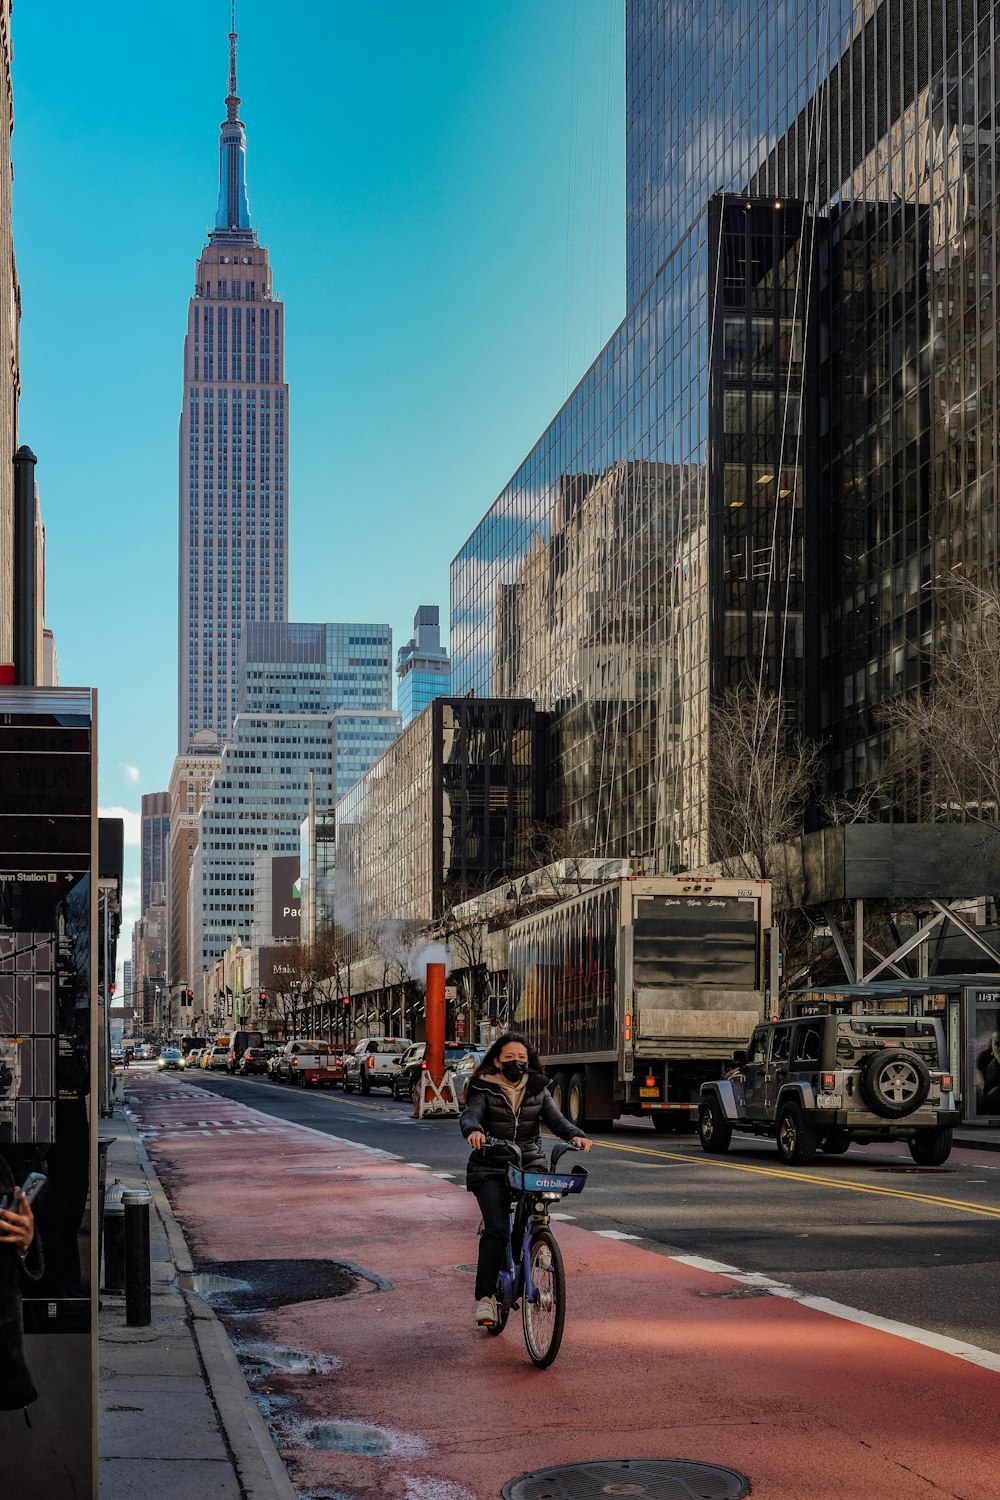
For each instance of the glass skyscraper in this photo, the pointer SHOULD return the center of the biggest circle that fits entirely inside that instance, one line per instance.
(423, 666)
(789, 443)
(233, 502)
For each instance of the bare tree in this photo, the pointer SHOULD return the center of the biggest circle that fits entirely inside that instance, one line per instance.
(945, 742)
(553, 845)
(762, 774)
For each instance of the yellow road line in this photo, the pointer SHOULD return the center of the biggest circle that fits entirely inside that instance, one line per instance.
(929, 1199)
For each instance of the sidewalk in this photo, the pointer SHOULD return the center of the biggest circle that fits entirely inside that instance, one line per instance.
(977, 1138)
(177, 1420)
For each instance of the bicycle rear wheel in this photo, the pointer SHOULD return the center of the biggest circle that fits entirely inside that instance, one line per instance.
(543, 1320)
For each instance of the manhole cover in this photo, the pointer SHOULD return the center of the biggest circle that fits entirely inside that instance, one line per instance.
(655, 1478)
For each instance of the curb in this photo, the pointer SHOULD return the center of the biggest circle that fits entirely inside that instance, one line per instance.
(976, 1143)
(261, 1474)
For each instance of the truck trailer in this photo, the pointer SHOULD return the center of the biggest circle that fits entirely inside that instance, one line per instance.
(636, 992)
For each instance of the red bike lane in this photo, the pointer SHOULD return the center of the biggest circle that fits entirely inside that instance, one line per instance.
(659, 1359)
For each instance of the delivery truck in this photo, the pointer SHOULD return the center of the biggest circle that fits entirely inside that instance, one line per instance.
(635, 992)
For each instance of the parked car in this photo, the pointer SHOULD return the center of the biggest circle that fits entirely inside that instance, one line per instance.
(215, 1058)
(171, 1057)
(407, 1078)
(254, 1060)
(193, 1059)
(825, 1082)
(374, 1063)
(464, 1071)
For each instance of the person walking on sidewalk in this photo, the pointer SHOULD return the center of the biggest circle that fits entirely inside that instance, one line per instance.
(508, 1098)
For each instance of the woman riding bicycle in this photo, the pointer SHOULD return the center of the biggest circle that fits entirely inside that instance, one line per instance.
(508, 1099)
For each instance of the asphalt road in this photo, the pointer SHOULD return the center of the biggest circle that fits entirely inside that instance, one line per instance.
(869, 1229)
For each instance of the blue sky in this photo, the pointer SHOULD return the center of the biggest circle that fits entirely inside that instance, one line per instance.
(440, 187)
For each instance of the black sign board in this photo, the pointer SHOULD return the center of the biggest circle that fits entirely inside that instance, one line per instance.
(48, 833)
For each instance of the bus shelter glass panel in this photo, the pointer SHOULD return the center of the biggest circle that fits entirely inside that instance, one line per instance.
(982, 1099)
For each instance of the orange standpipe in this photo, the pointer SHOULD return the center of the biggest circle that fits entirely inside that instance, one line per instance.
(435, 1016)
(437, 1093)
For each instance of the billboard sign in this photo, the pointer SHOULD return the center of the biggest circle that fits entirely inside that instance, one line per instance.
(278, 972)
(285, 896)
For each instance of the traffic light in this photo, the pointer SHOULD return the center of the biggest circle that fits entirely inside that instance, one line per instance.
(263, 999)
(190, 995)
(347, 999)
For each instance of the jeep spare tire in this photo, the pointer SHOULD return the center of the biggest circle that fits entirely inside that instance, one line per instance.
(894, 1083)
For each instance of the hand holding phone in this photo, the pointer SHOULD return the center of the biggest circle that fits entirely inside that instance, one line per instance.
(32, 1186)
(17, 1224)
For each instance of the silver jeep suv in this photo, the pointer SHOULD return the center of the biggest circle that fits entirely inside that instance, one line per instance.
(824, 1082)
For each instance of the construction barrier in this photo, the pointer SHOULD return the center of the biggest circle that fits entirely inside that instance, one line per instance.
(437, 1098)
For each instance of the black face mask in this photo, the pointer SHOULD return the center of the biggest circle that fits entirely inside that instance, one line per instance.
(513, 1071)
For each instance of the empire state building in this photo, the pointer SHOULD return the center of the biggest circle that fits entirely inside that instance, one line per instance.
(233, 461)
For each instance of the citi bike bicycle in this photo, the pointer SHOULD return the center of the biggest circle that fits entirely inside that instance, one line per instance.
(533, 1274)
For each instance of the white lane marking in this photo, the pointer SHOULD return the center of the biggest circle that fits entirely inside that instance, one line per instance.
(442, 1174)
(288, 1125)
(973, 1355)
(616, 1234)
(424, 1164)
(564, 1218)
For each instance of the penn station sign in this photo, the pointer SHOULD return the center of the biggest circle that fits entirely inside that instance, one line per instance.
(285, 896)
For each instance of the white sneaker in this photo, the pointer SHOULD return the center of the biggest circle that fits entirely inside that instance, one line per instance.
(486, 1312)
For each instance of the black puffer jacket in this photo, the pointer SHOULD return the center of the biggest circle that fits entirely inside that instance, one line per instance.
(16, 1386)
(488, 1109)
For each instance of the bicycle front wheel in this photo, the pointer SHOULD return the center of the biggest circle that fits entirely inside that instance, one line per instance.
(543, 1319)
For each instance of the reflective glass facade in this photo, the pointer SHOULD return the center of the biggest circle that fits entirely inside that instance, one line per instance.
(448, 810)
(791, 435)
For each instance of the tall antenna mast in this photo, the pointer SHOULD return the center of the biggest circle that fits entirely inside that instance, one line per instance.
(232, 98)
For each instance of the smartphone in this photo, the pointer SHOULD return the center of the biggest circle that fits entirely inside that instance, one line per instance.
(32, 1185)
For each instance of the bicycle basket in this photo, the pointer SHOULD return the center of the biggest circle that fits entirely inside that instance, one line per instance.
(562, 1183)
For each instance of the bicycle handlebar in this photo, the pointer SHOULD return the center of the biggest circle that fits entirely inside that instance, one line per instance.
(558, 1150)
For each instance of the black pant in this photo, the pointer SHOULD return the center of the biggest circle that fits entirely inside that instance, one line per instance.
(493, 1197)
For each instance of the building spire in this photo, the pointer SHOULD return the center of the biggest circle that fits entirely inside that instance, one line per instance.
(232, 98)
(232, 220)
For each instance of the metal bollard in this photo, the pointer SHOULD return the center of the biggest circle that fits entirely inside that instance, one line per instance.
(138, 1302)
(114, 1239)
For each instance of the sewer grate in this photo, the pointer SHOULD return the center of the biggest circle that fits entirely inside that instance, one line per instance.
(655, 1478)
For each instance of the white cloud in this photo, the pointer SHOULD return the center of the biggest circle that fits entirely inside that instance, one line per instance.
(132, 772)
(131, 896)
(132, 821)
